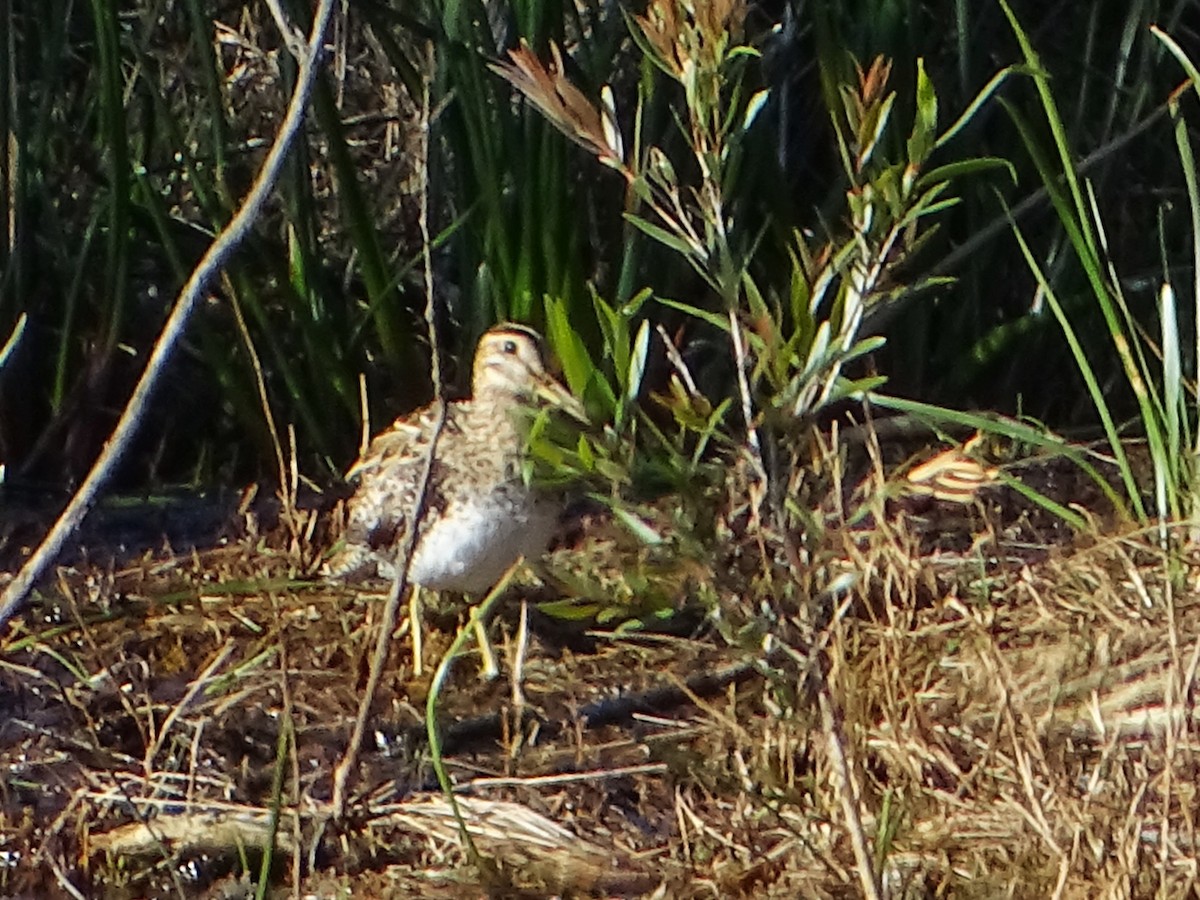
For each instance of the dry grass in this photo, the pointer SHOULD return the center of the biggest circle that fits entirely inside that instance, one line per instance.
(1030, 731)
(985, 714)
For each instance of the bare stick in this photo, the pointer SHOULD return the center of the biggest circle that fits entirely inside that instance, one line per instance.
(13, 339)
(843, 776)
(293, 38)
(341, 774)
(227, 241)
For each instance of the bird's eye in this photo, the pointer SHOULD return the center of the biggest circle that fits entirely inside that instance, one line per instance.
(509, 347)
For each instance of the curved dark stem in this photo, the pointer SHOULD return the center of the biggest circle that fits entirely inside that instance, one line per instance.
(227, 241)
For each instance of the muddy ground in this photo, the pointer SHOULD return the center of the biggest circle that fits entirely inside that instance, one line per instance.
(951, 699)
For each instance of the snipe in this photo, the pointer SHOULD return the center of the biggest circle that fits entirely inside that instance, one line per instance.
(480, 515)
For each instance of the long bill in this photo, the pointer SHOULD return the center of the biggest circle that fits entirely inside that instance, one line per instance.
(557, 396)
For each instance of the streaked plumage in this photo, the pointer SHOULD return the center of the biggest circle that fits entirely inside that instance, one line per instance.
(480, 516)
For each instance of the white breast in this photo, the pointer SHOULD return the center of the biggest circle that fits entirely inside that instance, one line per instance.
(469, 550)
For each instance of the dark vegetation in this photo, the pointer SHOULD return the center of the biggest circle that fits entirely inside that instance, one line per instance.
(807, 639)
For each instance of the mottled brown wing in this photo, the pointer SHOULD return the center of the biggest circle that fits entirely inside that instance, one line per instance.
(386, 478)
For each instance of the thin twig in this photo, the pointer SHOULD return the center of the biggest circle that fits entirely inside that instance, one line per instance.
(391, 611)
(541, 781)
(752, 436)
(867, 875)
(264, 400)
(10, 345)
(61, 877)
(479, 614)
(423, 222)
(289, 717)
(835, 739)
(293, 38)
(198, 684)
(213, 260)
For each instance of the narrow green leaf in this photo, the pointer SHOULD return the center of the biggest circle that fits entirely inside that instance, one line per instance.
(715, 319)
(921, 141)
(637, 363)
(965, 168)
(676, 243)
(638, 526)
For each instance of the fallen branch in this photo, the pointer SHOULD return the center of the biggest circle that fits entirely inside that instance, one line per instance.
(226, 242)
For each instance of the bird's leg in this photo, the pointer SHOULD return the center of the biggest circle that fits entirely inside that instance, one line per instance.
(488, 669)
(414, 628)
(517, 662)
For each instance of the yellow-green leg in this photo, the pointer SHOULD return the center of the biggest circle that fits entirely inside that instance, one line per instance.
(414, 629)
(488, 668)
